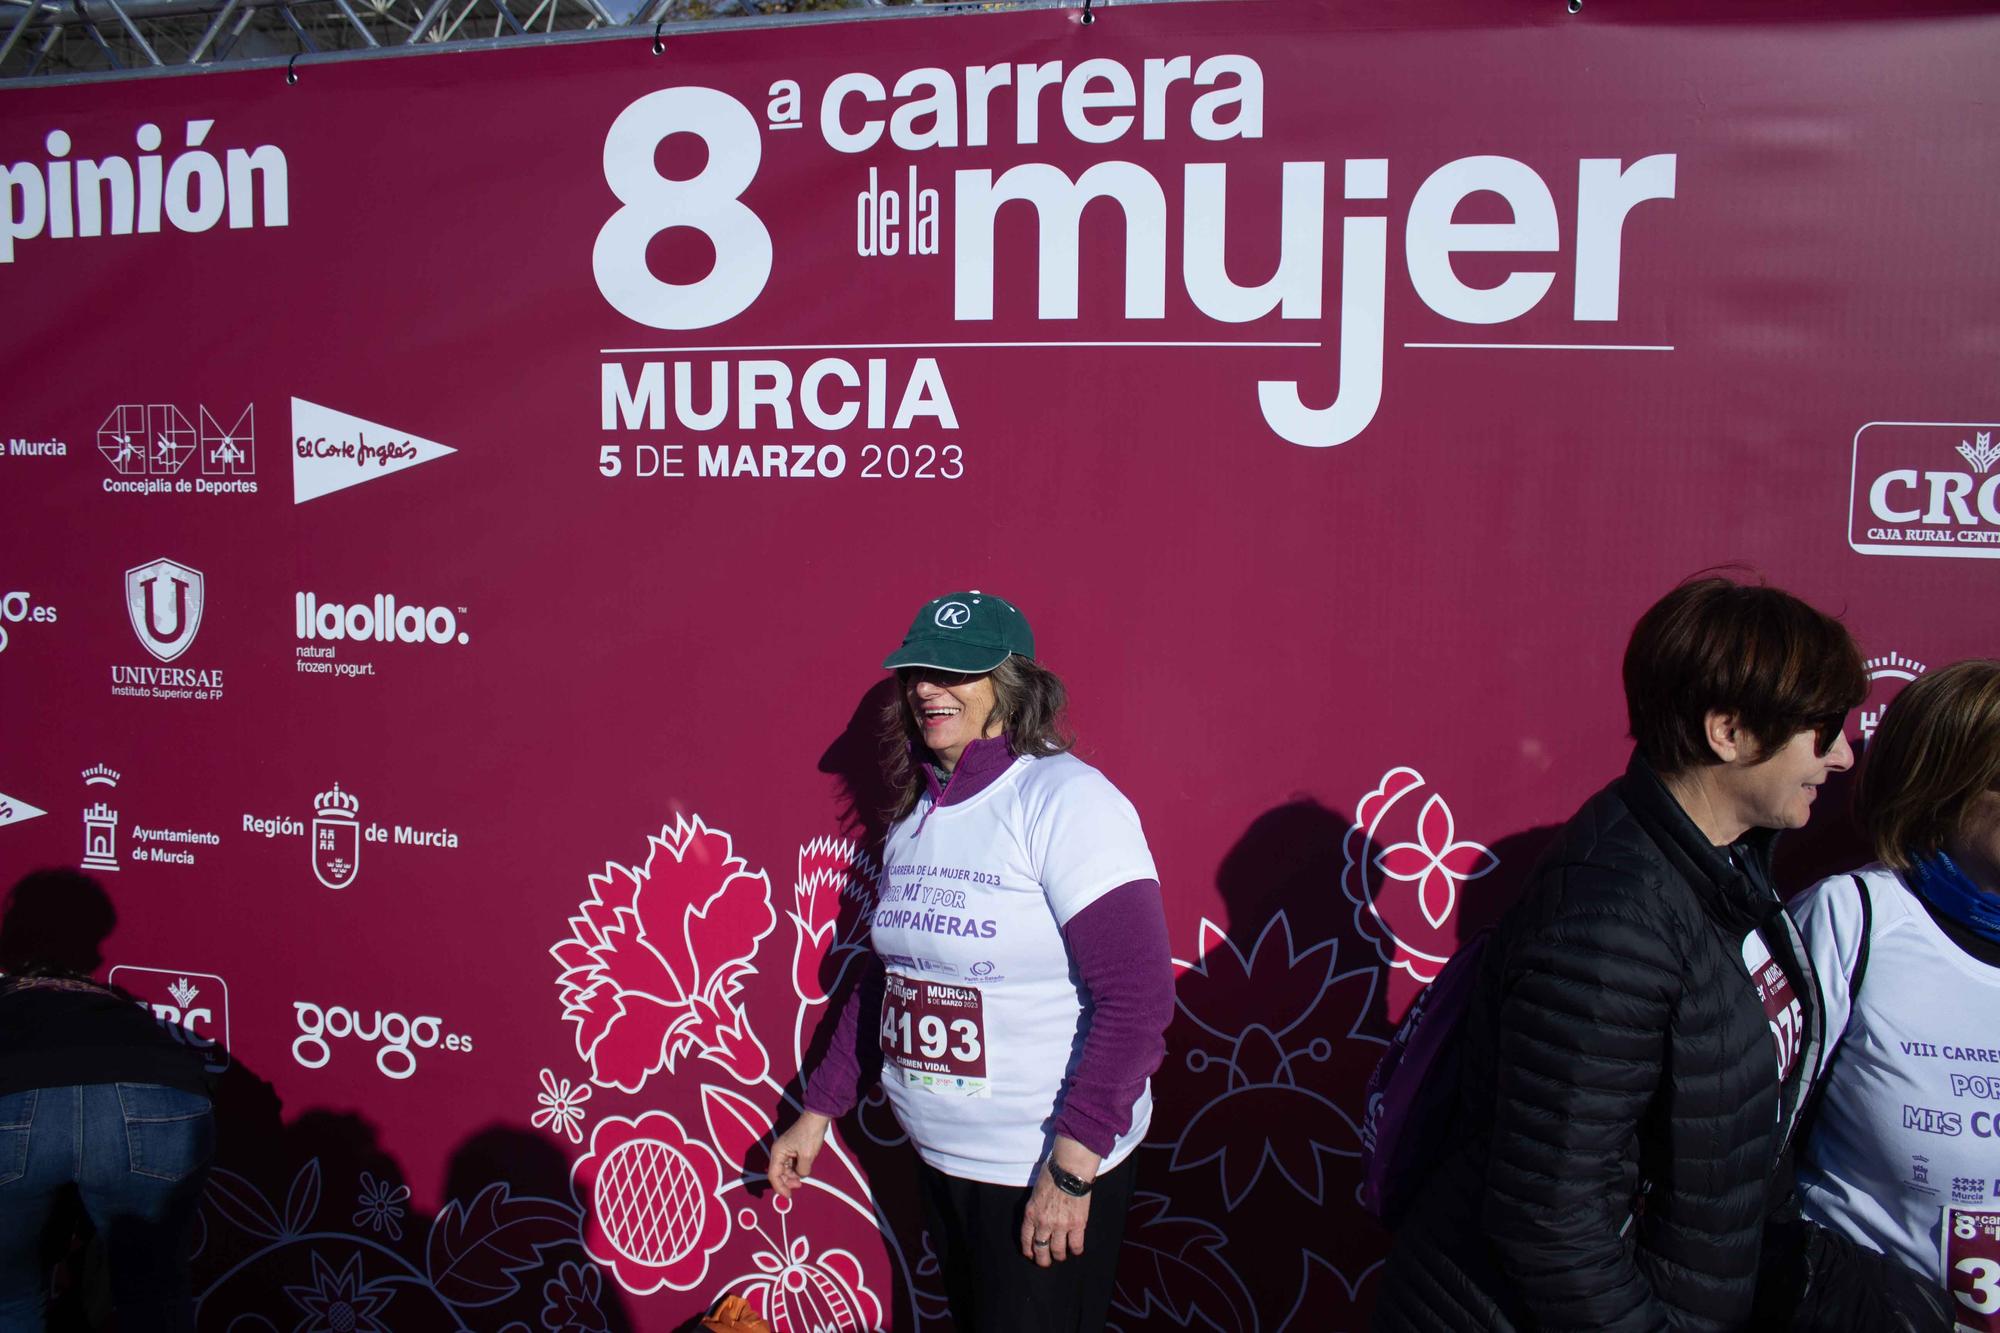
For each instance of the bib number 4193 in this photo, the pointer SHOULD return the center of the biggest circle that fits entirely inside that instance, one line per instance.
(934, 1028)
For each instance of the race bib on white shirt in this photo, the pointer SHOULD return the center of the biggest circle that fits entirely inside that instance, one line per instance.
(1970, 1241)
(1905, 1153)
(933, 1036)
(981, 1020)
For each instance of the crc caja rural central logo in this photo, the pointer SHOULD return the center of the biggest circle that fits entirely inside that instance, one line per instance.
(1925, 488)
(191, 1007)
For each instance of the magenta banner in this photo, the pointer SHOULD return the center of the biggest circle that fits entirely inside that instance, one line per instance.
(453, 508)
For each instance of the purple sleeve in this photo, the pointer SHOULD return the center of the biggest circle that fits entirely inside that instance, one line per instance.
(848, 1069)
(1119, 945)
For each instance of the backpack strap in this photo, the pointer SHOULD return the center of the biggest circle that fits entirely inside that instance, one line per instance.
(1861, 955)
(1810, 1114)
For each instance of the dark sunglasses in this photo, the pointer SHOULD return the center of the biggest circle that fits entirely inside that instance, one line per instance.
(1826, 731)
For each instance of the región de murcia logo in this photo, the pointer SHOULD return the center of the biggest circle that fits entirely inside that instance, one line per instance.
(336, 838)
(337, 833)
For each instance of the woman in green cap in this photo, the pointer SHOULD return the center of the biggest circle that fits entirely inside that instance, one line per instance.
(1024, 983)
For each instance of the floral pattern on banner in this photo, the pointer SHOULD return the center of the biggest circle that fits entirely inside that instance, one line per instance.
(655, 1212)
(799, 1293)
(1404, 866)
(655, 964)
(673, 998)
(656, 973)
(474, 1255)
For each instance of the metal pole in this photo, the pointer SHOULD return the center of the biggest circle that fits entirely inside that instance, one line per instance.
(214, 27)
(359, 27)
(424, 23)
(235, 33)
(42, 51)
(20, 26)
(97, 36)
(292, 22)
(132, 28)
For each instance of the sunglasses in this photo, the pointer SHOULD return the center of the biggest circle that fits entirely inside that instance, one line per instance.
(1826, 731)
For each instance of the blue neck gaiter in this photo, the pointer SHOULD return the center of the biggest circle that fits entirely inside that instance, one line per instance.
(1940, 882)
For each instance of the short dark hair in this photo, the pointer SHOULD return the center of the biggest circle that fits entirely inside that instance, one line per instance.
(1936, 751)
(1715, 645)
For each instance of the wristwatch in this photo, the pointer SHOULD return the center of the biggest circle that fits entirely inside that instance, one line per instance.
(1068, 1181)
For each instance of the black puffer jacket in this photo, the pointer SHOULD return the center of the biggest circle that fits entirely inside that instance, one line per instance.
(1619, 1146)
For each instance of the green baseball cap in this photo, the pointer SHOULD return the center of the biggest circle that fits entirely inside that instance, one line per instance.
(970, 632)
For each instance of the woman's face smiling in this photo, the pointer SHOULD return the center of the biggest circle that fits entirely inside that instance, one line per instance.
(1778, 792)
(951, 710)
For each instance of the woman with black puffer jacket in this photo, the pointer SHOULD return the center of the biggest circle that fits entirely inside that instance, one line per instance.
(1646, 1021)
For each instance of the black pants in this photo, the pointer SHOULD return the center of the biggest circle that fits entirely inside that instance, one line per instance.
(976, 1231)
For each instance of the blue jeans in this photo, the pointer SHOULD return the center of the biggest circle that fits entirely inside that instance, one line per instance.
(138, 1154)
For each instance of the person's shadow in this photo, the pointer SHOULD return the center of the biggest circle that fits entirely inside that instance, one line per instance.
(1251, 1169)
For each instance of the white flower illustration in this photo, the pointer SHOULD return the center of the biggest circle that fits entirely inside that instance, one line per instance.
(380, 1206)
(562, 1106)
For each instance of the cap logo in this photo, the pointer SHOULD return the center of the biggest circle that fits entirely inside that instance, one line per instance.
(953, 615)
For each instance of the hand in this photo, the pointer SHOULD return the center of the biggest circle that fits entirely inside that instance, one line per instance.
(1054, 1216)
(793, 1152)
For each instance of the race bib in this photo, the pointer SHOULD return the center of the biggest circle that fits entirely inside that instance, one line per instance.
(933, 1035)
(1972, 1267)
(1781, 1006)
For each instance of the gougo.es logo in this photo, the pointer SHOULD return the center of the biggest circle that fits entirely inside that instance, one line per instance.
(19, 608)
(397, 1038)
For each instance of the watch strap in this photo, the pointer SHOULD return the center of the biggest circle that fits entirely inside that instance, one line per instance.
(1069, 1182)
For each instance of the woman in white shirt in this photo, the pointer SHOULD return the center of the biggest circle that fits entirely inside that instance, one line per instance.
(1024, 983)
(1904, 1152)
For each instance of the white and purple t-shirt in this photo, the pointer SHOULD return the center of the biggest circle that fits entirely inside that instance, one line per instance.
(981, 1016)
(1905, 1157)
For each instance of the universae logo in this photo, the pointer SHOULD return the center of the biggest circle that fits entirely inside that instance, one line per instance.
(164, 599)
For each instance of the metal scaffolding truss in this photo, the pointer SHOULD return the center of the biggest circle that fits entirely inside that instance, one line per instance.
(58, 40)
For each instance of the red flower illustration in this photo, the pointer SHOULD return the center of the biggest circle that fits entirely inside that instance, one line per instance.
(831, 870)
(649, 1195)
(801, 1294)
(657, 956)
(1408, 925)
(1437, 862)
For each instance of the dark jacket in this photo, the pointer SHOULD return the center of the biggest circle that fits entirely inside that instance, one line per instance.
(1619, 1142)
